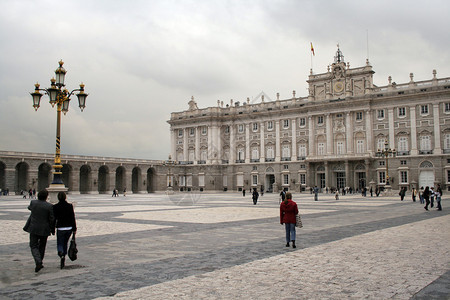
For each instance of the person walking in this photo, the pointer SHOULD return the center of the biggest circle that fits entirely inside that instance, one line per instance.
(288, 211)
(65, 224)
(402, 193)
(255, 196)
(422, 201)
(432, 196)
(438, 197)
(414, 194)
(283, 195)
(243, 192)
(40, 226)
(316, 193)
(426, 197)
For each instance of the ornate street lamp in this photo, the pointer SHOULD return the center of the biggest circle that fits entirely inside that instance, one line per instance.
(386, 153)
(61, 97)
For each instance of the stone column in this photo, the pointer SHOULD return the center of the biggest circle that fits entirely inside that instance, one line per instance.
(327, 175)
(76, 179)
(391, 128)
(277, 141)
(185, 145)
(412, 112)
(329, 134)
(232, 145)
(197, 145)
(247, 143)
(437, 132)
(369, 132)
(349, 132)
(173, 144)
(311, 142)
(262, 153)
(294, 140)
(347, 173)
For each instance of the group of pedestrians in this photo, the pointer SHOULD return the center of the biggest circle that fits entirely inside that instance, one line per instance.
(428, 196)
(43, 221)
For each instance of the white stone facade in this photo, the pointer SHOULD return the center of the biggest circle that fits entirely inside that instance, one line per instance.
(327, 139)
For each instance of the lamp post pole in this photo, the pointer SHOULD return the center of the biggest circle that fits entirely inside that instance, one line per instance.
(61, 97)
(169, 164)
(386, 153)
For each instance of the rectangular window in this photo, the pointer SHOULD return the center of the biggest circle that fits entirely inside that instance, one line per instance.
(180, 132)
(320, 120)
(380, 144)
(302, 178)
(302, 122)
(403, 162)
(425, 143)
(382, 163)
(269, 125)
(286, 124)
(241, 128)
(254, 179)
(191, 131)
(424, 109)
(402, 144)
(447, 107)
(241, 155)
(286, 151)
(447, 141)
(359, 116)
(204, 130)
(340, 148)
(227, 129)
(381, 177)
(255, 126)
(380, 114)
(255, 153)
(302, 150)
(403, 176)
(401, 111)
(360, 146)
(270, 153)
(286, 167)
(448, 176)
(321, 148)
(286, 179)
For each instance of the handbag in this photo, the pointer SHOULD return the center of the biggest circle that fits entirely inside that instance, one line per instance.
(72, 253)
(298, 221)
(27, 224)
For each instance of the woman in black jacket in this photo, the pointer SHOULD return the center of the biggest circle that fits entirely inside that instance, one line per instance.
(426, 196)
(65, 224)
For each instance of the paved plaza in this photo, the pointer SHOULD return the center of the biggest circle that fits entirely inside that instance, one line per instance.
(221, 246)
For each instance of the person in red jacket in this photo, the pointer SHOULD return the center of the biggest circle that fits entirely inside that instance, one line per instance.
(288, 211)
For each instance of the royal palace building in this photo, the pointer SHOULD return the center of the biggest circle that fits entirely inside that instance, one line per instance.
(347, 132)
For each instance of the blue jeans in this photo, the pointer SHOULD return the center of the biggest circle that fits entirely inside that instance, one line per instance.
(62, 238)
(290, 232)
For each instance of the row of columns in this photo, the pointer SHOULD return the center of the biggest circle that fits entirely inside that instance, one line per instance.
(215, 145)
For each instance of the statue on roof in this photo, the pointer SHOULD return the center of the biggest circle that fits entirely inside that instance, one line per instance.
(192, 104)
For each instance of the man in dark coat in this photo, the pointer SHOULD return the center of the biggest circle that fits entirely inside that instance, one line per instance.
(40, 226)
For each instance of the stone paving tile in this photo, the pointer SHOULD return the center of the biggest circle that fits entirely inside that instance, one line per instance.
(118, 261)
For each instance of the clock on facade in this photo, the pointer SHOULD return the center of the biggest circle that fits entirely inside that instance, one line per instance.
(338, 86)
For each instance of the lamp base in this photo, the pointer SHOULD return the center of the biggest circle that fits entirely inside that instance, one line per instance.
(53, 191)
(388, 190)
(169, 190)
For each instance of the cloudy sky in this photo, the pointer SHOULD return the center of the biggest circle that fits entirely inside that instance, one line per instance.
(142, 59)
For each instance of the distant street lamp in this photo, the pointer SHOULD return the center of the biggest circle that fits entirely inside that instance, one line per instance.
(169, 163)
(61, 97)
(386, 153)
